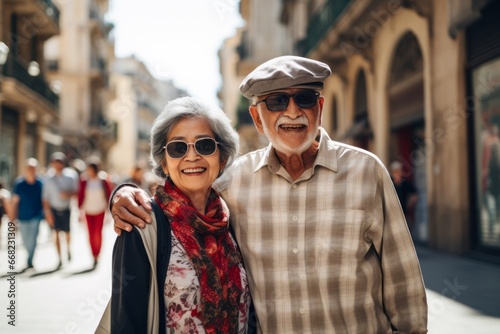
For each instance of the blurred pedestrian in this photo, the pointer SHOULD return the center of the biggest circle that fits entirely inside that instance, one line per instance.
(4, 202)
(137, 178)
(60, 186)
(27, 207)
(407, 193)
(93, 196)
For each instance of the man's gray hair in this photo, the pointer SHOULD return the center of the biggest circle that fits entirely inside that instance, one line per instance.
(188, 107)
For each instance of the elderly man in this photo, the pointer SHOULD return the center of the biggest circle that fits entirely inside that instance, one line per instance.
(318, 222)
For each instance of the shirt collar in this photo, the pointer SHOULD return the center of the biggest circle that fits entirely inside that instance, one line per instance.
(327, 155)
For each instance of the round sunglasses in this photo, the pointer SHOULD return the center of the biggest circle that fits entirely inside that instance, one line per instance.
(279, 101)
(177, 149)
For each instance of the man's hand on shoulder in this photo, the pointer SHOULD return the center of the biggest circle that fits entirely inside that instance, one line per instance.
(130, 207)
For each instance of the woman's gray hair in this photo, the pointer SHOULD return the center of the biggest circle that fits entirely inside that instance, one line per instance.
(188, 107)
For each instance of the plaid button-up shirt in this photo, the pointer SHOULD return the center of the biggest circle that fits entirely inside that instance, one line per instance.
(329, 252)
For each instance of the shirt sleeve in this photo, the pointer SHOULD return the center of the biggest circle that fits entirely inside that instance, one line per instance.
(130, 285)
(403, 288)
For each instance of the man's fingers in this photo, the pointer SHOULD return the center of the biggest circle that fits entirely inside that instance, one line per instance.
(134, 214)
(142, 198)
(117, 230)
(129, 208)
(120, 225)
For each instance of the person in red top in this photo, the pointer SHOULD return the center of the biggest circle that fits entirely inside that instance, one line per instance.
(93, 197)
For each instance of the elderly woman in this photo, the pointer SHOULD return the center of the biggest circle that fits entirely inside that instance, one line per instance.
(198, 266)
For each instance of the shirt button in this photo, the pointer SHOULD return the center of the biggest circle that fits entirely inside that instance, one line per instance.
(294, 186)
(295, 251)
(294, 218)
(302, 310)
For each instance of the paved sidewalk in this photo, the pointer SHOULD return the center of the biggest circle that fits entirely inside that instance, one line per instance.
(49, 301)
(463, 294)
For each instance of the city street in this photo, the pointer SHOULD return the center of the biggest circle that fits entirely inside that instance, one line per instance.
(463, 294)
(69, 300)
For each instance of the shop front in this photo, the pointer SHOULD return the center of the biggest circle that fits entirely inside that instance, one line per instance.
(483, 59)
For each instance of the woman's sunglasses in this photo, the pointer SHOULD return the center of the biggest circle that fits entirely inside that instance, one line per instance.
(279, 101)
(177, 149)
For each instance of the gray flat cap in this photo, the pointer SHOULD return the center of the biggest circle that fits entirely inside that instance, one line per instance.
(285, 72)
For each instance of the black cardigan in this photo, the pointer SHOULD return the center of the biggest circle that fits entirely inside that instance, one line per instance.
(131, 279)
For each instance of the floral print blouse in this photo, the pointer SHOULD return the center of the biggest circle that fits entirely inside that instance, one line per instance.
(182, 295)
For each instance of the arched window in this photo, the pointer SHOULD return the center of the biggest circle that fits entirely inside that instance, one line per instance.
(406, 89)
(360, 131)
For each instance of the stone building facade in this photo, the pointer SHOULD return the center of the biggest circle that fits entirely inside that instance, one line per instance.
(418, 82)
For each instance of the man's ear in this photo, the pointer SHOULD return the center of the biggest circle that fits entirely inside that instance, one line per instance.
(256, 118)
(321, 101)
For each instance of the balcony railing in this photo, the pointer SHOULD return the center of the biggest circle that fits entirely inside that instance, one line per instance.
(14, 68)
(108, 129)
(325, 18)
(51, 10)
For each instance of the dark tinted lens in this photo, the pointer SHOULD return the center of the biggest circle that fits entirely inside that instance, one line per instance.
(305, 99)
(277, 102)
(205, 146)
(176, 149)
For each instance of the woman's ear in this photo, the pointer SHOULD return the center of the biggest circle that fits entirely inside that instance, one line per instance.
(221, 167)
(164, 167)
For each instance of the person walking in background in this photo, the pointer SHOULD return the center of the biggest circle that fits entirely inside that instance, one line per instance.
(93, 196)
(407, 193)
(27, 207)
(318, 222)
(4, 202)
(60, 186)
(137, 178)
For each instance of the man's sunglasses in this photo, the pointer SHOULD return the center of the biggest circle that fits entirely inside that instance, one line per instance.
(279, 101)
(177, 149)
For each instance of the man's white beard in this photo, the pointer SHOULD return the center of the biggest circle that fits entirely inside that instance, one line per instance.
(282, 147)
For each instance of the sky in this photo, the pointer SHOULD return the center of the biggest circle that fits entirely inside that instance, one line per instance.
(177, 40)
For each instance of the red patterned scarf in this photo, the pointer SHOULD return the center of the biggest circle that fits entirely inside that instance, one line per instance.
(215, 259)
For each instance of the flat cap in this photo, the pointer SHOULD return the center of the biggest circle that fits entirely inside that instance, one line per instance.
(285, 72)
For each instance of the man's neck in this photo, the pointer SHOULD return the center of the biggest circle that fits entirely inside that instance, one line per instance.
(297, 164)
(30, 180)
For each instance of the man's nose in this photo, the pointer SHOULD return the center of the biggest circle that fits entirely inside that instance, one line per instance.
(293, 110)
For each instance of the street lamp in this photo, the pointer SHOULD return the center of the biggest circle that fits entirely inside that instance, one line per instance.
(33, 68)
(4, 54)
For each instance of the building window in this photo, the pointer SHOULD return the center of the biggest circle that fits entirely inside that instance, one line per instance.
(361, 130)
(8, 145)
(30, 141)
